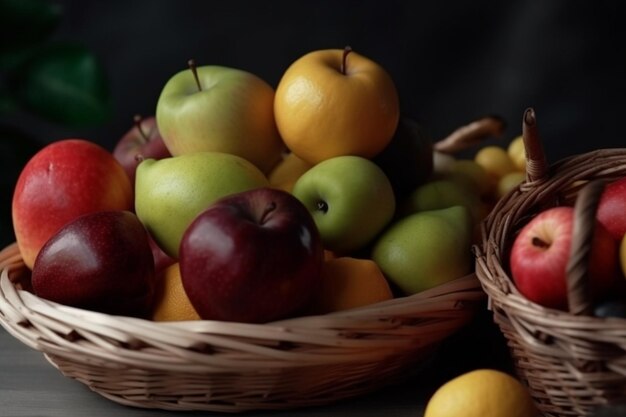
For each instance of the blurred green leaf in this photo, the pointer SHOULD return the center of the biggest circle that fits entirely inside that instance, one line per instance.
(64, 83)
(25, 22)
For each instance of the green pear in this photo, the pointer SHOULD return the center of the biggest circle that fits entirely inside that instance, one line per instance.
(442, 193)
(426, 249)
(171, 192)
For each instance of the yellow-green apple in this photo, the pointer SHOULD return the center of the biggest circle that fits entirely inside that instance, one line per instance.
(170, 192)
(254, 256)
(442, 193)
(408, 159)
(62, 181)
(220, 109)
(612, 208)
(99, 261)
(540, 253)
(350, 198)
(426, 249)
(143, 141)
(336, 102)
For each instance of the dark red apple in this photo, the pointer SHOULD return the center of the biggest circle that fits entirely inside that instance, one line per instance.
(100, 261)
(612, 208)
(541, 251)
(251, 257)
(407, 160)
(142, 141)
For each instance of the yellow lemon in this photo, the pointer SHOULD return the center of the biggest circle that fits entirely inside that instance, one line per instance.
(171, 302)
(348, 283)
(517, 153)
(495, 160)
(482, 393)
(336, 102)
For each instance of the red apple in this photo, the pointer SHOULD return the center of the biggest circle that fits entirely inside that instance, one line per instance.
(62, 181)
(100, 261)
(541, 251)
(612, 208)
(142, 141)
(254, 256)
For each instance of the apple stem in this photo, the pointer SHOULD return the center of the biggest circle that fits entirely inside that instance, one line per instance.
(540, 243)
(137, 119)
(194, 71)
(268, 209)
(346, 51)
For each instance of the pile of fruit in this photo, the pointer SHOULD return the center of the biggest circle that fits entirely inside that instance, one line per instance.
(242, 202)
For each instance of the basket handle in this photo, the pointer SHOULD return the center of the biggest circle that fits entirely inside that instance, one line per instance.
(578, 289)
(471, 134)
(536, 162)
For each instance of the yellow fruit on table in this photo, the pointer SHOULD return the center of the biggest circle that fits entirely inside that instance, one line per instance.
(287, 172)
(495, 160)
(171, 302)
(482, 393)
(510, 181)
(336, 102)
(348, 283)
(517, 153)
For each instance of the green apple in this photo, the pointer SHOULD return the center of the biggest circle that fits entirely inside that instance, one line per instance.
(171, 192)
(350, 198)
(426, 249)
(442, 193)
(220, 109)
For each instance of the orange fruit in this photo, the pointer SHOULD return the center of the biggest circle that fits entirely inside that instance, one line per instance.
(481, 393)
(331, 103)
(171, 301)
(348, 283)
(287, 172)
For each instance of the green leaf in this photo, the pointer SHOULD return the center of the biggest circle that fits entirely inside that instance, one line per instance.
(26, 22)
(64, 83)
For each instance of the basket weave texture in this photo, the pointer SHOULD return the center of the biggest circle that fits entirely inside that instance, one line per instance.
(571, 360)
(231, 367)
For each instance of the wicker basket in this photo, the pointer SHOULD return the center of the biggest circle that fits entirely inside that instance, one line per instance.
(229, 367)
(571, 361)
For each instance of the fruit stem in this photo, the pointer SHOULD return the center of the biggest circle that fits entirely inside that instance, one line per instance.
(137, 119)
(194, 71)
(540, 243)
(268, 209)
(346, 51)
(139, 158)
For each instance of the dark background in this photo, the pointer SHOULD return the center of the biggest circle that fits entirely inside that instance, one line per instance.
(452, 61)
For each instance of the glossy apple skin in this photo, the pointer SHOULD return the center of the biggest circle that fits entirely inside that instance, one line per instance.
(239, 264)
(408, 158)
(350, 198)
(62, 181)
(539, 270)
(233, 113)
(100, 261)
(612, 208)
(134, 144)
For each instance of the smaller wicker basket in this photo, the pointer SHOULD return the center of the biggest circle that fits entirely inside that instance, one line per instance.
(571, 361)
(230, 367)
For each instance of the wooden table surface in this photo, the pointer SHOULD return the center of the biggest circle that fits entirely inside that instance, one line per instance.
(32, 387)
